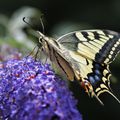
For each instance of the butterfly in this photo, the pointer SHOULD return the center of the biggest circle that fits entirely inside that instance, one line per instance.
(85, 56)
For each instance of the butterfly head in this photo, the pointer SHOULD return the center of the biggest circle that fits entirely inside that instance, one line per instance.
(41, 37)
(45, 42)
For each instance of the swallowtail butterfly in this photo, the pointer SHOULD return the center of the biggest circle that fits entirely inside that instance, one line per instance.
(85, 56)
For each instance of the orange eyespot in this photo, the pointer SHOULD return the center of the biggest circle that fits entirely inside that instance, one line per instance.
(86, 86)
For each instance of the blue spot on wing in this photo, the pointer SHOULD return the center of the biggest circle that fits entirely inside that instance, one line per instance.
(96, 76)
(94, 79)
(97, 72)
(91, 79)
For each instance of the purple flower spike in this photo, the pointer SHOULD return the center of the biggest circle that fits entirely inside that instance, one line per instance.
(31, 91)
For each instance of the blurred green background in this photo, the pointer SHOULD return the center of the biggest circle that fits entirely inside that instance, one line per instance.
(60, 17)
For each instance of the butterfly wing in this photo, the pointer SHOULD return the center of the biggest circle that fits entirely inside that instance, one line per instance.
(98, 45)
(92, 51)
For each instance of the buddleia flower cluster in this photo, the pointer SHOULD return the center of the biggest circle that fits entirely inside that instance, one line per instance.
(30, 90)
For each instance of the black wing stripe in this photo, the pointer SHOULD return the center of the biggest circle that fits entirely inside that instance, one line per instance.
(85, 34)
(96, 35)
(111, 46)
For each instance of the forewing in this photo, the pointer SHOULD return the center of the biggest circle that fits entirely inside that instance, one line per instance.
(98, 45)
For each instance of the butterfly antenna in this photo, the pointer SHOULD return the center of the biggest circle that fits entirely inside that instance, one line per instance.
(42, 24)
(24, 19)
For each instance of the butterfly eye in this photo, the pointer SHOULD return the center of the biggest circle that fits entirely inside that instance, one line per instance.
(40, 39)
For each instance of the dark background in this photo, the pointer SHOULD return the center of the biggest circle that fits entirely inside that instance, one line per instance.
(96, 13)
(62, 16)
